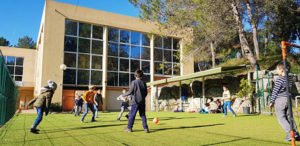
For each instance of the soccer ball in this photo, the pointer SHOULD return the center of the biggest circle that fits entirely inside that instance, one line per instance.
(63, 67)
(155, 120)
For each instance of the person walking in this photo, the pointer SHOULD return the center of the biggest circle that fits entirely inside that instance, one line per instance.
(124, 105)
(88, 102)
(138, 91)
(227, 101)
(97, 101)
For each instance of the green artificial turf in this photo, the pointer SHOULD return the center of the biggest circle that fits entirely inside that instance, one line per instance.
(173, 129)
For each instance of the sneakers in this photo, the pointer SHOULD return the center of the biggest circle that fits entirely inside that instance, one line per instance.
(34, 131)
(127, 116)
(118, 120)
(234, 115)
(288, 137)
(146, 130)
(93, 120)
(128, 130)
(297, 136)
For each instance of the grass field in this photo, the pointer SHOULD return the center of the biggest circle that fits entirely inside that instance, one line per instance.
(173, 129)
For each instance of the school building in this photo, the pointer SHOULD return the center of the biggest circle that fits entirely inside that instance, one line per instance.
(99, 48)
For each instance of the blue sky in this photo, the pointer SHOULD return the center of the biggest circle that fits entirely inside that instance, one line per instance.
(22, 17)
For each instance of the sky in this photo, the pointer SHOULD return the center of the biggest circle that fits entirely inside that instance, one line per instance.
(23, 17)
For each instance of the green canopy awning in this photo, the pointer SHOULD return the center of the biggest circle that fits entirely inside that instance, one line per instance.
(210, 72)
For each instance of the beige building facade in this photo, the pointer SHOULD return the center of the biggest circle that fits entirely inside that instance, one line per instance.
(99, 48)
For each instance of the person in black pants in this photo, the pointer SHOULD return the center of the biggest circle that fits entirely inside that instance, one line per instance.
(138, 91)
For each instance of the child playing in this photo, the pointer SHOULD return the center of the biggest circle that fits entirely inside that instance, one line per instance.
(124, 105)
(227, 101)
(138, 90)
(279, 99)
(97, 101)
(42, 103)
(88, 99)
(78, 104)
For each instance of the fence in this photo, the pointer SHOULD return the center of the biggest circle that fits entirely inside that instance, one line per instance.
(8, 93)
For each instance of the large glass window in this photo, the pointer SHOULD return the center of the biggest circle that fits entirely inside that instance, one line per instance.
(85, 30)
(70, 44)
(71, 28)
(15, 67)
(83, 77)
(97, 47)
(124, 50)
(97, 32)
(112, 49)
(113, 35)
(83, 53)
(135, 38)
(70, 59)
(166, 56)
(124, 36)
(84, 46)
(127, 52)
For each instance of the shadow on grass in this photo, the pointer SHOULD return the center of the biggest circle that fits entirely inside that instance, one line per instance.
(159, 118)
(249, 115)
(223, 142)
(80, 128)
(239, 138)
(185, 127)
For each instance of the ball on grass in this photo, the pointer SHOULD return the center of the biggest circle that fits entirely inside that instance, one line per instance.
(155, 120)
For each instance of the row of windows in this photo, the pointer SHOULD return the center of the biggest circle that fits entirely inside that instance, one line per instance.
(127, 51)
(86, 77)
(128, 37)
(83, 30)
(123, 79)
(15, 67)
(82, 77)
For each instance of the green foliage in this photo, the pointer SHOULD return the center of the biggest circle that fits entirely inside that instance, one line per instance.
(56, 107)
(283, 20)
(246, 89)
(26, 42)
(4, 41)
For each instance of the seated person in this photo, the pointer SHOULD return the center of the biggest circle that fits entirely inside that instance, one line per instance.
(205, 109)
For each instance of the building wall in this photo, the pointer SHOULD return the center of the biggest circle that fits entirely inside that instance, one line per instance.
(28, 64)
(26, 89)
(51, 40)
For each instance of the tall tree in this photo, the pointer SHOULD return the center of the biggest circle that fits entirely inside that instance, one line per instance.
(212, 22)
(26, 42)
(283, 19)
(208, 23)
(255, 13)
(243, 41)
(4, 41)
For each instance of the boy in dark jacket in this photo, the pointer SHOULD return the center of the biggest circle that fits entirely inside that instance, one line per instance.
(138, 91)
(97, 101)
(42, 103)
